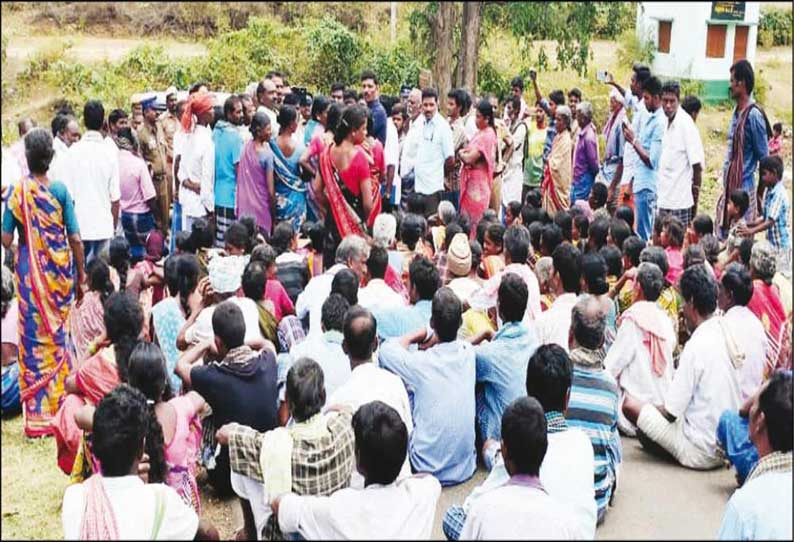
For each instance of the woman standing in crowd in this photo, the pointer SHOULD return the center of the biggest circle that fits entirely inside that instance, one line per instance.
(42, 212)
(289, 187)
(476, 175)
(138, 196)
(514, 154)
(86, 321)
(319, 120)
(559, 166)
(612, 166)
(345, 177)
(256, 192)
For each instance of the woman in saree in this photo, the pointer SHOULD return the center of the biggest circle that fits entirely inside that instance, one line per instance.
(768, 307)
(256, 192)
(346, 178)
(476, 174)
(289, 187)
(310, 159)
(98, 374)
(557, 176)
(50, 250)
(86, 320)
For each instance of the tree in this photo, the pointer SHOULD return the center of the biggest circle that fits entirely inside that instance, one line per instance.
(469, 45)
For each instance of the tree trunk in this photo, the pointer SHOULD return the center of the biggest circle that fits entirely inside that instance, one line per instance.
(470, 45)
(443, 23)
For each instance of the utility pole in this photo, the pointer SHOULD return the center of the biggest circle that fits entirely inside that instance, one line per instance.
(393, 21)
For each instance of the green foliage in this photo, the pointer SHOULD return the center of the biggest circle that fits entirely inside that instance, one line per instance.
(394, 67)
(614, 18)
(631, 49)
(761, 87)
(775, 26)
(691, 87)
(333, 52)
(492, 81)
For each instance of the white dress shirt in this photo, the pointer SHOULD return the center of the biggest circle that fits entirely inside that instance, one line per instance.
(134, 505)
(90, 170)
(399, 511)
(553, 326)
(681, 149)
(411, 146)
(391, 155)
(433, 141)
(326, 350)
(368, 383)
(749, 334)
(379, 294)
(311, 299)
(198, 165)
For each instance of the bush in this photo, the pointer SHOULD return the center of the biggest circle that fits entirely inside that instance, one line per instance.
(491, 81)
(614, 18)
(394, 67)
(333, 53)
(631, 49)
(775, 26)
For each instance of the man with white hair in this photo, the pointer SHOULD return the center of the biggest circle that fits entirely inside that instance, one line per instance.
(585, 156)
(614, 145)
(384, 231)
(410, 147)
(446, 214)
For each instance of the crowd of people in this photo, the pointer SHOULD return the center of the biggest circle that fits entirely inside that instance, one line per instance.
(338, 305)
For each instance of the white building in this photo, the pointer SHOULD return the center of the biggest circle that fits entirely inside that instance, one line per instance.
(699, 40)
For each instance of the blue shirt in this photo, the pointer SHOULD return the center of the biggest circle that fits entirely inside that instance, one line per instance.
(650, 138)
(440, 383)
(396, 322)
(756, 145)
(593, 408)
(502, 367)
(228, 147)
(433, 148)
(378, 120)
(61, 193)
(759, 510)
(776, 207)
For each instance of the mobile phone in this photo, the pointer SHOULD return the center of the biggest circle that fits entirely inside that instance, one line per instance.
(533, 73)
(601, 76)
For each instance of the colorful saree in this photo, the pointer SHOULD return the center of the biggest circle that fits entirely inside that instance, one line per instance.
(290, 188)
(346, 208)
(45, 286)
(476, 181)
(86, 324)
(768, 307)
(558, 174)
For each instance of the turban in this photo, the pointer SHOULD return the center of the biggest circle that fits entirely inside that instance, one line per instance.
(199, 103)
(618, 96)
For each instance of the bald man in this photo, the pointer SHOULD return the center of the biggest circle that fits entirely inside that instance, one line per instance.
(266, 96)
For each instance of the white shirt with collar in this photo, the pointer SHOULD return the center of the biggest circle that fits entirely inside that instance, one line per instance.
(704, 386)
(553, 326)
(379, 294)
(411, 146)
(681, 150)
(90, 170)
(391, 156)
(367, 383)
(198, 164)
(311, 299)
(326, 350)
(399, 511)
(272, 114)
(433, 147)
(134, 505)
(749, 334)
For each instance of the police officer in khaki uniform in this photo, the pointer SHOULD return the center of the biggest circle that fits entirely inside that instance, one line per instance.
(169, 123)
(153, 150)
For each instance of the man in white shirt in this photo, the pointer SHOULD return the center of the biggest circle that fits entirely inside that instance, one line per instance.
(117, 504)
(90, 170)
(553, 326)
(392, 192)
(705, 385)
(384, 508)
(681, 163)
(377, 293)
(736, 290)
(352, 253)
(196, 172)
(367, 381)
(567, 469)
(522, 508)
(266, 95)
(641, 358)
(411, 144)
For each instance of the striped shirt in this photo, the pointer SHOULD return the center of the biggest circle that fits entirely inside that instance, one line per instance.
(593, 408)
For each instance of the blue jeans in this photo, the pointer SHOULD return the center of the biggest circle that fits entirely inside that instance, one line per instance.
(644, 210)
(733, 436)
(93, 249)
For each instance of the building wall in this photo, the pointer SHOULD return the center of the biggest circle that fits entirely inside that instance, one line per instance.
(687, 56)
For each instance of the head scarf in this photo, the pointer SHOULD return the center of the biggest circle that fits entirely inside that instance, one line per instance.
(199, 103)
(618, 96)
(226, 273)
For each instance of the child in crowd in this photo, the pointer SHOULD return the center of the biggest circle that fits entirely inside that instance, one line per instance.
(291, 267)
(550, 238)
(493, 260)
(598, 200)
(275, 295)
(581, 228)
(658, 226)
(614, 260)
(775, 214)
(565, 221)
(236, 240)
(512, 213)
(619, 231)
(624, 212)
(315, 255)
(632, 247)
(776, 139)
(701, 225)
(672, 239)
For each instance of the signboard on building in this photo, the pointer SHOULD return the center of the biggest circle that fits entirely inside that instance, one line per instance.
(727, 11)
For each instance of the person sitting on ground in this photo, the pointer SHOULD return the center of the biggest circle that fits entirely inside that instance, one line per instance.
(766, 303)
(564, 220)
(594, 399)
(553, 325)
(567, 470)
(117, 504)
(598, 200)
(614, 259)
(550, 238)
(512, 213)
(443, 439)
(459, 268)
(598, 234)
(544, 270)
(641, 358)
(446, 214)
(626, 213)
(236, 239)
(672, 239)
(254, 287)
(493, 257)
(291, 270)
(422, 284)
(522, 507)
(501, 360)
(623, 289)
(314, 456)
(619, 231)
(775, 141)
(761, 509)
(276, 298)
(580, 231)
(9, 307)
(238, 383)
(377, 293)
(385, 507)
(413, 228)
(705, 385)
(367, 381)
(86, 319)
(669, 300)
(440, 257)
(594, 283)
(701, 226)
